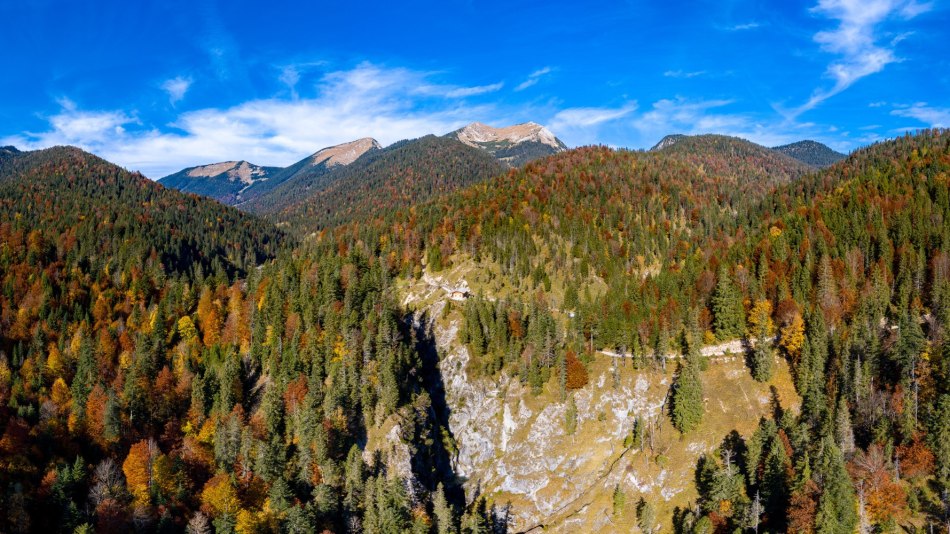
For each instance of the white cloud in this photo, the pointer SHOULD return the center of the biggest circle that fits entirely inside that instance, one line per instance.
(583, 125)
(855, 41)
(743, 27)
(933, 117)
(389, 104)
(683, 74)
(176, 88)
(462, 92)
(533, 78)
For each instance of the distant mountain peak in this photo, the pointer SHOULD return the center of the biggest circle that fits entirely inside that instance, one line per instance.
(478, 133)
(668, 141)
(344, 153)
(513, 145)
(235, 171)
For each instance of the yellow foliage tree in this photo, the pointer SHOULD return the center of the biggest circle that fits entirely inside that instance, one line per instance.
(792, 337)
(760, 319)
(60, 394)
(54, 361)
(219, 497)
(187, 330)
(209, 318)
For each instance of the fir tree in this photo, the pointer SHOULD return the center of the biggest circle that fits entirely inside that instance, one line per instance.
(837, 507)
(687, 390)
(728, 313)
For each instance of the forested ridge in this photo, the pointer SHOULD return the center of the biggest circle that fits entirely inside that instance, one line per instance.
(168, 363)
(401, 175)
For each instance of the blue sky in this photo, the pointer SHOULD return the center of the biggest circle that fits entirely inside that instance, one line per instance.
(158, 86)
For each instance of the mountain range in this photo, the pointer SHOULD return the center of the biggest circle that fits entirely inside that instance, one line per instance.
(240, 182)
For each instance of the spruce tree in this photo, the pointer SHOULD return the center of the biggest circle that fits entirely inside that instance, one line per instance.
(940, 440)
(728, 313)
(837, 507)
(444, 515)
(687, 394)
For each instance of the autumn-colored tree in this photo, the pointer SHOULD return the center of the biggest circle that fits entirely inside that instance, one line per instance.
(139, 469)
(884, 497)
(802, 507)
(916, 459)
(792, 338)
(209, 317)
(576, 372)
(96, 415)
(187, 330)
(218, 497)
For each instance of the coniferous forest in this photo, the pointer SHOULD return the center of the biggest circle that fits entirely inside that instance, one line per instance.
(170, 364)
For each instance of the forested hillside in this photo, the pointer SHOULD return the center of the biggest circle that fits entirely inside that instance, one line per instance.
(169, 363)
(811, 152)
(843, 274)
(397, 177)
(152, 379)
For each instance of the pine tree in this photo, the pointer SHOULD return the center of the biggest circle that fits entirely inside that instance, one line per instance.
(444, 514)
(940, 440)
(761, 329)
(728, 313)
(837, 506)
(646, 516)
(687, 390)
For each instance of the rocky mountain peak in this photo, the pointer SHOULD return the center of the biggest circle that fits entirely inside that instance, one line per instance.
(476, 134)
(344, 153)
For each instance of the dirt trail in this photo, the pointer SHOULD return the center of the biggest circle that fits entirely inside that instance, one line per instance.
(734, 347)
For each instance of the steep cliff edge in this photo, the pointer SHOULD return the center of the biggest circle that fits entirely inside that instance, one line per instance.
(516, 447)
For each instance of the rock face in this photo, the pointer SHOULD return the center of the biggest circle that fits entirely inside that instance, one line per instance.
(514, 446)
(236, 182)
(225, 181)
(512, 145)
(233, 171)
(345, 153)
(668, 141)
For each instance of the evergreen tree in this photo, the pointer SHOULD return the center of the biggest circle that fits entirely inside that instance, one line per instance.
(837, 506)
(940, 440)
(444, 514)
(728, 313)
(687, 389)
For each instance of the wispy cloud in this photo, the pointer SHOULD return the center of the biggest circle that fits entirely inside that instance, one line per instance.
(533, 78)
(683, 74)
(855, 41)
(462, 92)
(585, 125)
(933, 117)
(574, 117)
(176, 88)
(743, 27)
(368, 100)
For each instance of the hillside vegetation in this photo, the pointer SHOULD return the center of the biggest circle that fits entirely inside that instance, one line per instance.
(169, 363)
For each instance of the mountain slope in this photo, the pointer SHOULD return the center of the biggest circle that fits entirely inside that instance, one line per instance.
(238, 182)
(743, 156)
(378, 183)
(512, 145)
(225, 182)
(308, 171)
(67, 195)
(811, 152)
(834, 264)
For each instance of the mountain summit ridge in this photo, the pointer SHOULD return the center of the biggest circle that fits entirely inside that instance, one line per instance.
(513, 145)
